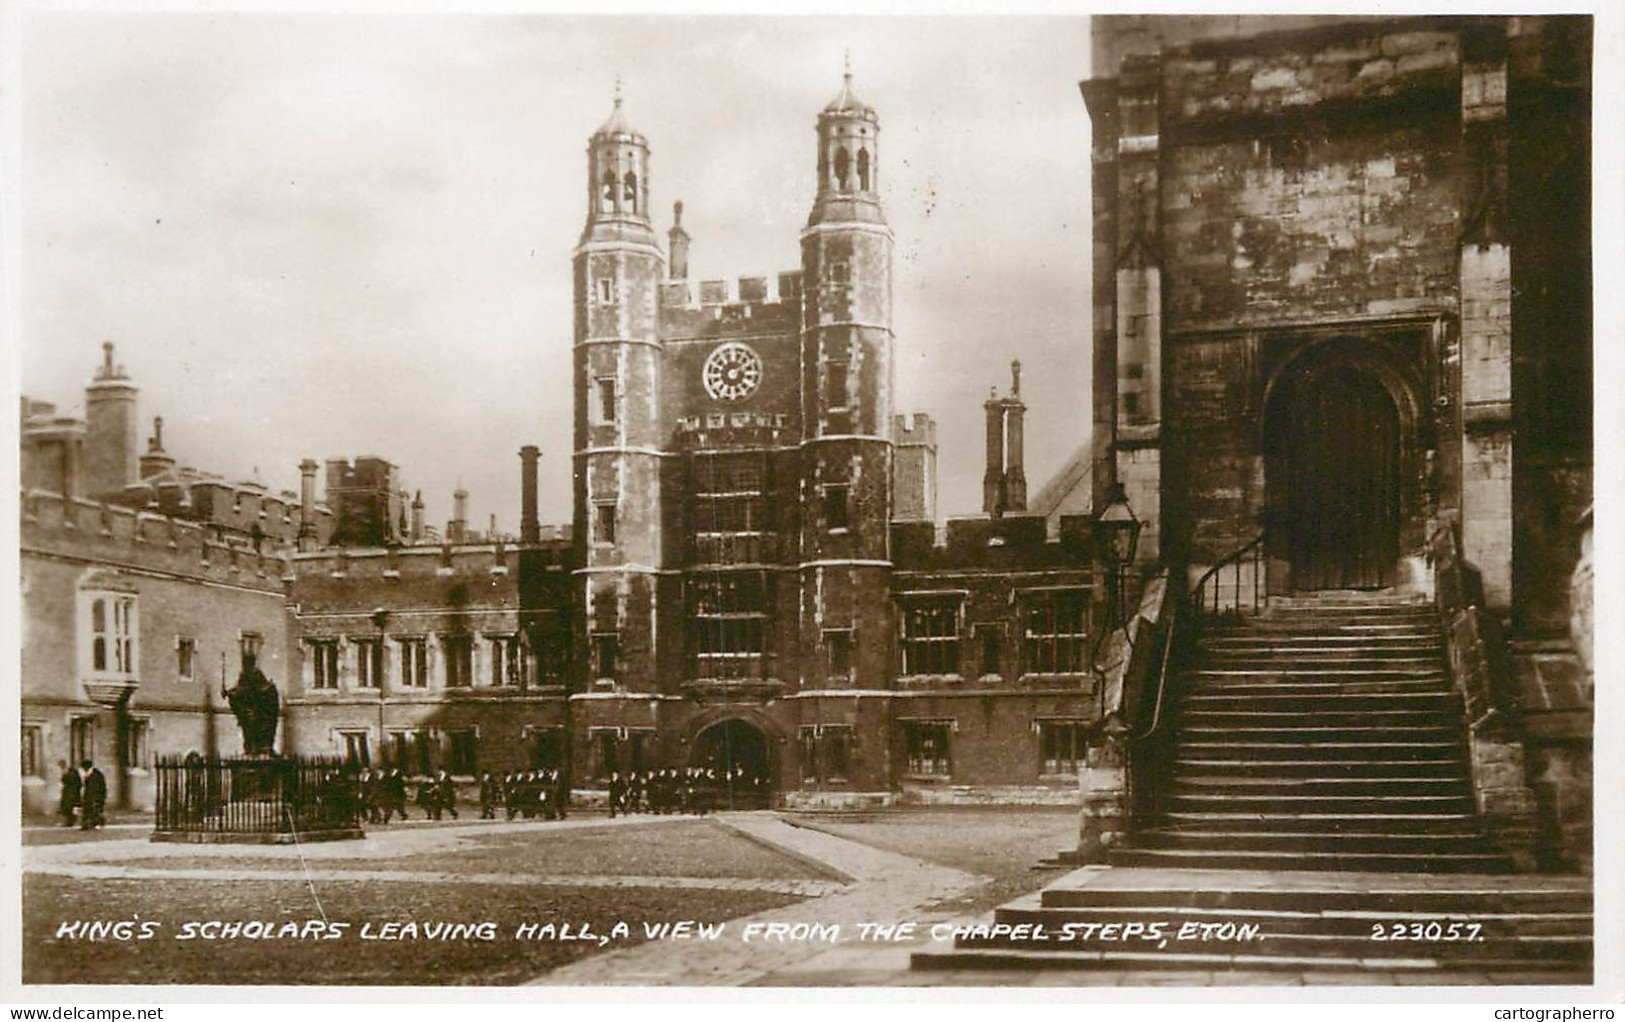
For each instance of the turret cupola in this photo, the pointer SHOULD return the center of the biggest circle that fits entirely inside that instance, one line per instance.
(848, 159)
(617, 180)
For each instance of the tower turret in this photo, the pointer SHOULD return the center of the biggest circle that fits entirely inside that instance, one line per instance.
(617, 356)
(846, 367)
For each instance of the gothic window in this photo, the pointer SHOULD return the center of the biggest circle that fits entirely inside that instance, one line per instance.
(630, 191)
(836, 500)
(506, 661)
(1054, 632)
(324, 663)
(729, 613)
(838, 654)
(606, 290)
(989, 639)
(185, 658)
(111, 621)
(1061, 744)
(604, 523)
(606, 195)
(926, 742)
(459, 661)
(137, 731)
(863, 170)
(835, 391)
(82, 738)
(463, 756)
(369, 663)
(826, 753)
(931, 635)
(843, 168)
(606, 399)
(356, 750)
(606, 646)
(33, 750)
(414, 663)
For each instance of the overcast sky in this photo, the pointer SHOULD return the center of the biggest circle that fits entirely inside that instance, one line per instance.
(322, 236)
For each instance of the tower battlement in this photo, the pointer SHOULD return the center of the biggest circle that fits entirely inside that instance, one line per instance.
(921, 430)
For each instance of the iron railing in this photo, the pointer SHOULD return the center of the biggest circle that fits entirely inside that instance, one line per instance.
(254, 796)
(1247, 569)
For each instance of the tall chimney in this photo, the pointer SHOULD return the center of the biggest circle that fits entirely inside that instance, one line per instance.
(415, 528)
(1015, 476)
(111, 440)
(679, 244)
(307, 504)
(993, 478)
(530, 526)
(457, 528)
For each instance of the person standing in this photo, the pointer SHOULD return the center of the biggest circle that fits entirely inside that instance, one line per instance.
(93, 786)
(445, 792)
(68, 801)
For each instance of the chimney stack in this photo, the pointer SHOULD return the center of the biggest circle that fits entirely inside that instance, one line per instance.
(111, 430)
(678, 268)
(457, 528)
(530, 526)
(993, 478)
(307, 504)
(1015, 475)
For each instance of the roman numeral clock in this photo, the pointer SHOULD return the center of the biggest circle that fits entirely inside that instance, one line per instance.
(732, 372)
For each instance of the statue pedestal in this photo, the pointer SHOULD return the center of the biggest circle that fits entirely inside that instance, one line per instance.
(259, 799)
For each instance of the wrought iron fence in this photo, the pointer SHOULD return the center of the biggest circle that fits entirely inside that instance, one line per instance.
(255, 796)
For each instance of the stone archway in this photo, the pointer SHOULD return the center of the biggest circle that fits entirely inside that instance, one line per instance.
(728, 746)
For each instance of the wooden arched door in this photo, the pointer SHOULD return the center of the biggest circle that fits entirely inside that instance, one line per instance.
(1336, 432)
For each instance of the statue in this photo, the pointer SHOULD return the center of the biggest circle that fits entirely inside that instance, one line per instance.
(257, 706)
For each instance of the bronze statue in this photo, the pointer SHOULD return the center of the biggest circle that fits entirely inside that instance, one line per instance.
(257, 706)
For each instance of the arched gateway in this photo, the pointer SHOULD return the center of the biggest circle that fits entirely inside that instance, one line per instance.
(738, 751)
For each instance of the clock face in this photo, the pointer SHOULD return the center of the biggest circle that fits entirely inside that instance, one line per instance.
(732, 372)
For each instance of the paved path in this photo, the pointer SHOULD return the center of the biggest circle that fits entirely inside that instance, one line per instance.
(887, 889)
(110, 871)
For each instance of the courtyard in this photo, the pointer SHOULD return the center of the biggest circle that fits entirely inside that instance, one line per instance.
(587, 901)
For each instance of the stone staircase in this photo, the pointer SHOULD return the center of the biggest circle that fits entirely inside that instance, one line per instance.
(1321, 735)
(1320, 790)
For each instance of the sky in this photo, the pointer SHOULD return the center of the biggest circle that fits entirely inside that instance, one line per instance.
(328, 236)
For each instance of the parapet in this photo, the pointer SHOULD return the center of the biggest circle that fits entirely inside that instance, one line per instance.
(145, 540)
(723, 307)
(921, 431)
(1013, 541)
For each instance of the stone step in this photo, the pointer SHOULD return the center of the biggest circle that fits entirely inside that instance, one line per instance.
(1312, 717)
(1282, 675)
(1030, 910)
(1293, 661)
(1372, 750)
(1368, 894)
(1226, 803)
(1213, 821)
(1312, 640)
(1421, 686)
(1330, 841)
(1318, 735)
(1382, 862)
(1444, 767)
(1293, 787)
(1267, 628)
(1443, 703)
(1507, 971)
